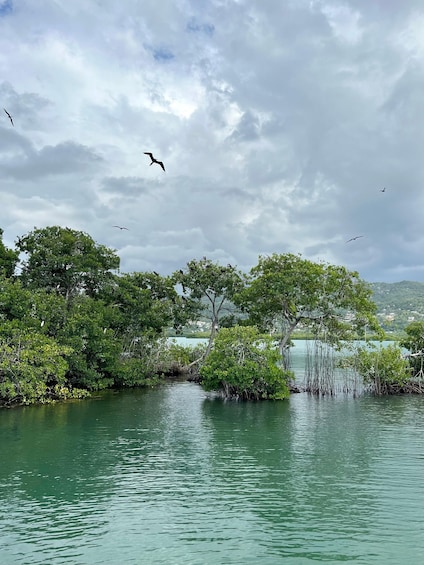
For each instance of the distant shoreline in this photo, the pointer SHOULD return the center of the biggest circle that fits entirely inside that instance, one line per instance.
(298, 336)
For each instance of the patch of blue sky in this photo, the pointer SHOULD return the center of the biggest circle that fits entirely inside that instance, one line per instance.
(195, 26)
(163, 54)
(6, 8)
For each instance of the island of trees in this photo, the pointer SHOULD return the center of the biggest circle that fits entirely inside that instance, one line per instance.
(72, 323)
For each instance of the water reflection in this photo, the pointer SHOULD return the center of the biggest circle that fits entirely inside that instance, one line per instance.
(174, 475)
(297, 473)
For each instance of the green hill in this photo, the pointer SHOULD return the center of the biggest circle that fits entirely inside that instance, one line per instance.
(399, 303)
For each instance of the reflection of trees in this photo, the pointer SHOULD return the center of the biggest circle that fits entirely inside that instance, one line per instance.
(294, 478)
(55, 482)
(87, 470)
(301, 467)
(76, 449)
(57, 450)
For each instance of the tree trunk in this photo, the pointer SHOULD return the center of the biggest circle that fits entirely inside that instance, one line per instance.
(214, 331)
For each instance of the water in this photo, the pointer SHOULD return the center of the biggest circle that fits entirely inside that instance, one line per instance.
(174, 476)
(298, 353)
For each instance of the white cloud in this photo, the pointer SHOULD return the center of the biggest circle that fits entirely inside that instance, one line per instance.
(278, 124)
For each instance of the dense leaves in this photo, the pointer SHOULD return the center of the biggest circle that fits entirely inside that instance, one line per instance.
(65, 261)
(414, 343)
(244, 364)
(32, 368)
(8, 259)
(286, 291)
(70, 323)
(143, 302)
(384, 370)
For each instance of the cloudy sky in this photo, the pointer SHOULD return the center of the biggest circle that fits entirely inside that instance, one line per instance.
(279, 123)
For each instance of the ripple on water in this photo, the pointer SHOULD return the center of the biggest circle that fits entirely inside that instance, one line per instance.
(170, 476)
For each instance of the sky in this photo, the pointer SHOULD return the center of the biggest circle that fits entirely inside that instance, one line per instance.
(279, 123)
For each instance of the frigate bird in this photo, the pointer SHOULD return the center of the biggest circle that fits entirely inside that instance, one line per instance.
(9, 116)
(354, 238)
(154, 160)
(383, 189)
(156, 273)
(121, 228)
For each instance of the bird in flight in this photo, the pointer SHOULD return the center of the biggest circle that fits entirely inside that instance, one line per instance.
(9, 116)
(154, 160)
(383, 189)
(354, 238)
(121, 228)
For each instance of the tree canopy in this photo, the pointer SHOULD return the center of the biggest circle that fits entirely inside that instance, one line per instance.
(244, 364)
(95, 327)
(215, 283)
(65, 261)
(8, 259)
(285, 291)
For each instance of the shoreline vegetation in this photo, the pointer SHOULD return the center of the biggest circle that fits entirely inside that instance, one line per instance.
(73, 324)
(397, 337)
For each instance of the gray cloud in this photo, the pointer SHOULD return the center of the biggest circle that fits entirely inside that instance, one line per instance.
(278, 125)
(65, 158)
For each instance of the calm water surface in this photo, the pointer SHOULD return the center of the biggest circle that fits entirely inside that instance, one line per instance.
(298, 353)
(174, 476)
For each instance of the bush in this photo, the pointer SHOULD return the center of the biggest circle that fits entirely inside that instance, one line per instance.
(32, 368)
(414, 342)
(139, 363)
(244, 364)
(385, 370)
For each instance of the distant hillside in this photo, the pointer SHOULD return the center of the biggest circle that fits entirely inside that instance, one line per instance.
(399, 303)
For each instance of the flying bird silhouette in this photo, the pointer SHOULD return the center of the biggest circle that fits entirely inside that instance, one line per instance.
(154, 160)
(354, 238)
(383, 189)
(121, 228)
(9, 116)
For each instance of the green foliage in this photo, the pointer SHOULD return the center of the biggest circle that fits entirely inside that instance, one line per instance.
(143, 302)
(244, 364)
(414, 343)
(95, 350)
(65, 261)
(32, 367)
(180, 354)
(208, 289)
(15, 301)
(398, 304)
(136, 372)
(385, 369)
(179, 358)
(27, 308)
(8, 259)
(142, 363)
(286, 291)
(69, 325)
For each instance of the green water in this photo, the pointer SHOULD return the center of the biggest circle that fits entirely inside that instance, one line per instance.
(171, 476)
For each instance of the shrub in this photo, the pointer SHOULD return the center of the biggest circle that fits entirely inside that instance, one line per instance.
(384, 370)
(32, 367)
(244, 364)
